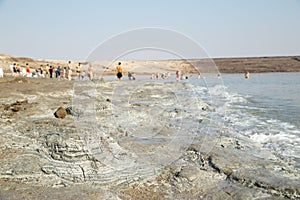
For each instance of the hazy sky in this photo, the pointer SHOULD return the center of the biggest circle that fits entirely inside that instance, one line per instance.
(71, 29)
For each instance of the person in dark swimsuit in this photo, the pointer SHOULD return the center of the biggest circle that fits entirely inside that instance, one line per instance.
(119, 71)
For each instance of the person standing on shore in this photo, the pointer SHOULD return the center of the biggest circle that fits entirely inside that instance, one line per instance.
(90, 72)
(27, 70)
(1, 72)
(69, 71)
(177, 75)
(40, 71)
(57, 72)
(64, 71)
(51, 71)
(18, 69)
(78, 68)
(119, 71)
(47, 70)
(12, 68)
(129, 75)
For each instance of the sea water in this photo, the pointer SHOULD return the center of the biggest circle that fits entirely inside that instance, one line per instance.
(265, 108)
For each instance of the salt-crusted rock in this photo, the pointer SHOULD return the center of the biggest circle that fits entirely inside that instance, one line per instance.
(119, 139)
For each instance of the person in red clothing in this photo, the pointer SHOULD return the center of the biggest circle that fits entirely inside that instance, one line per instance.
(27, 68)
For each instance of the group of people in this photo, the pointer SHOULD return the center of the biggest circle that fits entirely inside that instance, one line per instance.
(49, 71)
(161, 76)
(67, 72)
(183, 76)
(120, 71)
(132, 76)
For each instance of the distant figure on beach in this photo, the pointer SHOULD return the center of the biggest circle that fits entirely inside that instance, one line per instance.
(119, 71)
(51, 71)
(157, 75)
(168, 75)
(177, 75)
(69, 71)
(78, 71)
(18, 69)
(64, 72)
(57, 72)
(90, 72)
(129, 75)
(27, 70)
(199, 76)
(1, 72)
(182, 76)
(82, 75)
(247, 75)
(133, 75)
(47, 70)
(15, 69)
(41, 72)
(22, 71)
(12, 68)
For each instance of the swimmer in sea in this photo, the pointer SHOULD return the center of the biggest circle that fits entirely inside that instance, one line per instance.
(119, 71)
(247, 75)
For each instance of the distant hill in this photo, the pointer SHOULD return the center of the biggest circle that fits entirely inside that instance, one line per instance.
(259, 64)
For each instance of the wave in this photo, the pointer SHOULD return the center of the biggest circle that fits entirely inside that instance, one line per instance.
(243, 115)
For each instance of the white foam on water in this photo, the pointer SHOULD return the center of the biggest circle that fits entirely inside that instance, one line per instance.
(281, 137)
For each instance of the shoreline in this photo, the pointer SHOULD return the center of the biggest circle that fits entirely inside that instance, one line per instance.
(159, 159)
(146, 67)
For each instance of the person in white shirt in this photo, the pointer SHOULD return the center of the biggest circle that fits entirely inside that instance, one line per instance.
(69, 71)
(1, 72)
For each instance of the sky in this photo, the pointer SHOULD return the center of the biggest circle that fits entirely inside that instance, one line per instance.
(72, 29)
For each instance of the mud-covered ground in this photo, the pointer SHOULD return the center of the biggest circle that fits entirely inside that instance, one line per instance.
(127, 140)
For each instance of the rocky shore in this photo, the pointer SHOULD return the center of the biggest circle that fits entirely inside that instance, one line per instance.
(128, 140)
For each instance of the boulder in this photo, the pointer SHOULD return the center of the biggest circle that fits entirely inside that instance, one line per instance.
(60, 113)
(15, 108)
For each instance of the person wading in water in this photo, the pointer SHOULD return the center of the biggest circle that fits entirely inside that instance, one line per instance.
(119, 71)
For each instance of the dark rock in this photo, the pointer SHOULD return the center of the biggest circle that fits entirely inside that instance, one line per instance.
(71, 111)
(15, 108)
(60, 113)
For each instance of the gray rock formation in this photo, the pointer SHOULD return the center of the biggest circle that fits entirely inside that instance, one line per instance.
(149, 141)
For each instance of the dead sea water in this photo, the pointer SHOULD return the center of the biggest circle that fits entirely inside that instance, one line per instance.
(265, 108)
